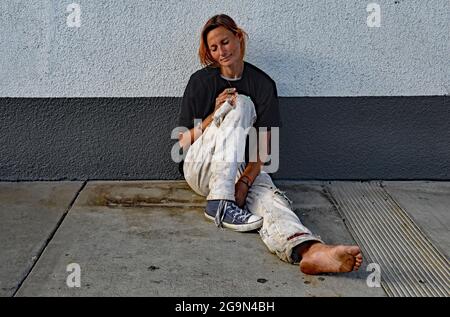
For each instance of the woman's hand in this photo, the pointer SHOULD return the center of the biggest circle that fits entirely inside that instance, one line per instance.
(229, 94)
(240, 193)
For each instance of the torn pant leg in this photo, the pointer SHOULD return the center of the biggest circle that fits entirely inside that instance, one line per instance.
(282, 230)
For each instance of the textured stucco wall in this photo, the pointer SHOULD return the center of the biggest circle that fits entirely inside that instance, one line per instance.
(148, 48)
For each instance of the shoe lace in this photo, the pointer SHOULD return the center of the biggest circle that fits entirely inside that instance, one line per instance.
(233, 210)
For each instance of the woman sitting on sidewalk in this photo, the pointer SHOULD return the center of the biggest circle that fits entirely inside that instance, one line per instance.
(231, 95)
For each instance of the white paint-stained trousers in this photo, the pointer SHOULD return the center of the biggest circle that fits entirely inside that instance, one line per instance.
(214, 163)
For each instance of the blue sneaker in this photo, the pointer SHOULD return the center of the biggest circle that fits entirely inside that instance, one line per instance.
(226, 213)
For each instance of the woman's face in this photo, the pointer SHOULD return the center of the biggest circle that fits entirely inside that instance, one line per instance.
(224, 46)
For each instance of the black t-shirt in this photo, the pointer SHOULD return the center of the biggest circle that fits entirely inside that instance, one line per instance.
(207, 83)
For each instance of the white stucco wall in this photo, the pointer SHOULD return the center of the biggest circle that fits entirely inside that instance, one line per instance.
(135, 48)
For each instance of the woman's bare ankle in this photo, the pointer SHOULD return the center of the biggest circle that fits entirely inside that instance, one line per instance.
(304, 247)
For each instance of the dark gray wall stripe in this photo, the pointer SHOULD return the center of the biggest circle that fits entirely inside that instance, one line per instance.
(129, 138)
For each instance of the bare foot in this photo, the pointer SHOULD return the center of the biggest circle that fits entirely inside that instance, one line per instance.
(320, 258)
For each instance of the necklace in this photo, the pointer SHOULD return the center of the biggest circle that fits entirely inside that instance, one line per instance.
(229, 84)
(230, 79)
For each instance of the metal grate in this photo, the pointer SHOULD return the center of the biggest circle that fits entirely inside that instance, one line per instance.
(410, 264)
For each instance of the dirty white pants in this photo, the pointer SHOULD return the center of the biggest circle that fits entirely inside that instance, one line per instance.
(211, 171)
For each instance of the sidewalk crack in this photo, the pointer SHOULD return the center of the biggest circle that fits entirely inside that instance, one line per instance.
(50, 238)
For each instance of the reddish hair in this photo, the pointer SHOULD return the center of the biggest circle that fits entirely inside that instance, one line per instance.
(216, 21)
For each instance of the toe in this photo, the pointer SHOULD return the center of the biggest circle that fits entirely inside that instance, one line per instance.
(354, 250)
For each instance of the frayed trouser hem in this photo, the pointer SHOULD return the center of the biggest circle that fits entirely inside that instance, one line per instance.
(220, 196)
(294, 258)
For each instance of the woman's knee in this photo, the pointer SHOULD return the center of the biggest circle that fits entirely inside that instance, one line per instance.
(243, 114)
(244, 103)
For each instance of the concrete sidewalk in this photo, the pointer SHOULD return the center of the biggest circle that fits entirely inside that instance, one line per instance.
(149, 238)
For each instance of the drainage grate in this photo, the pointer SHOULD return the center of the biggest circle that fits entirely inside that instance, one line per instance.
(410, 264)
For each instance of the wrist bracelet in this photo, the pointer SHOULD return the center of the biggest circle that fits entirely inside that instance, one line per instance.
(244, 179)
(248, 186)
